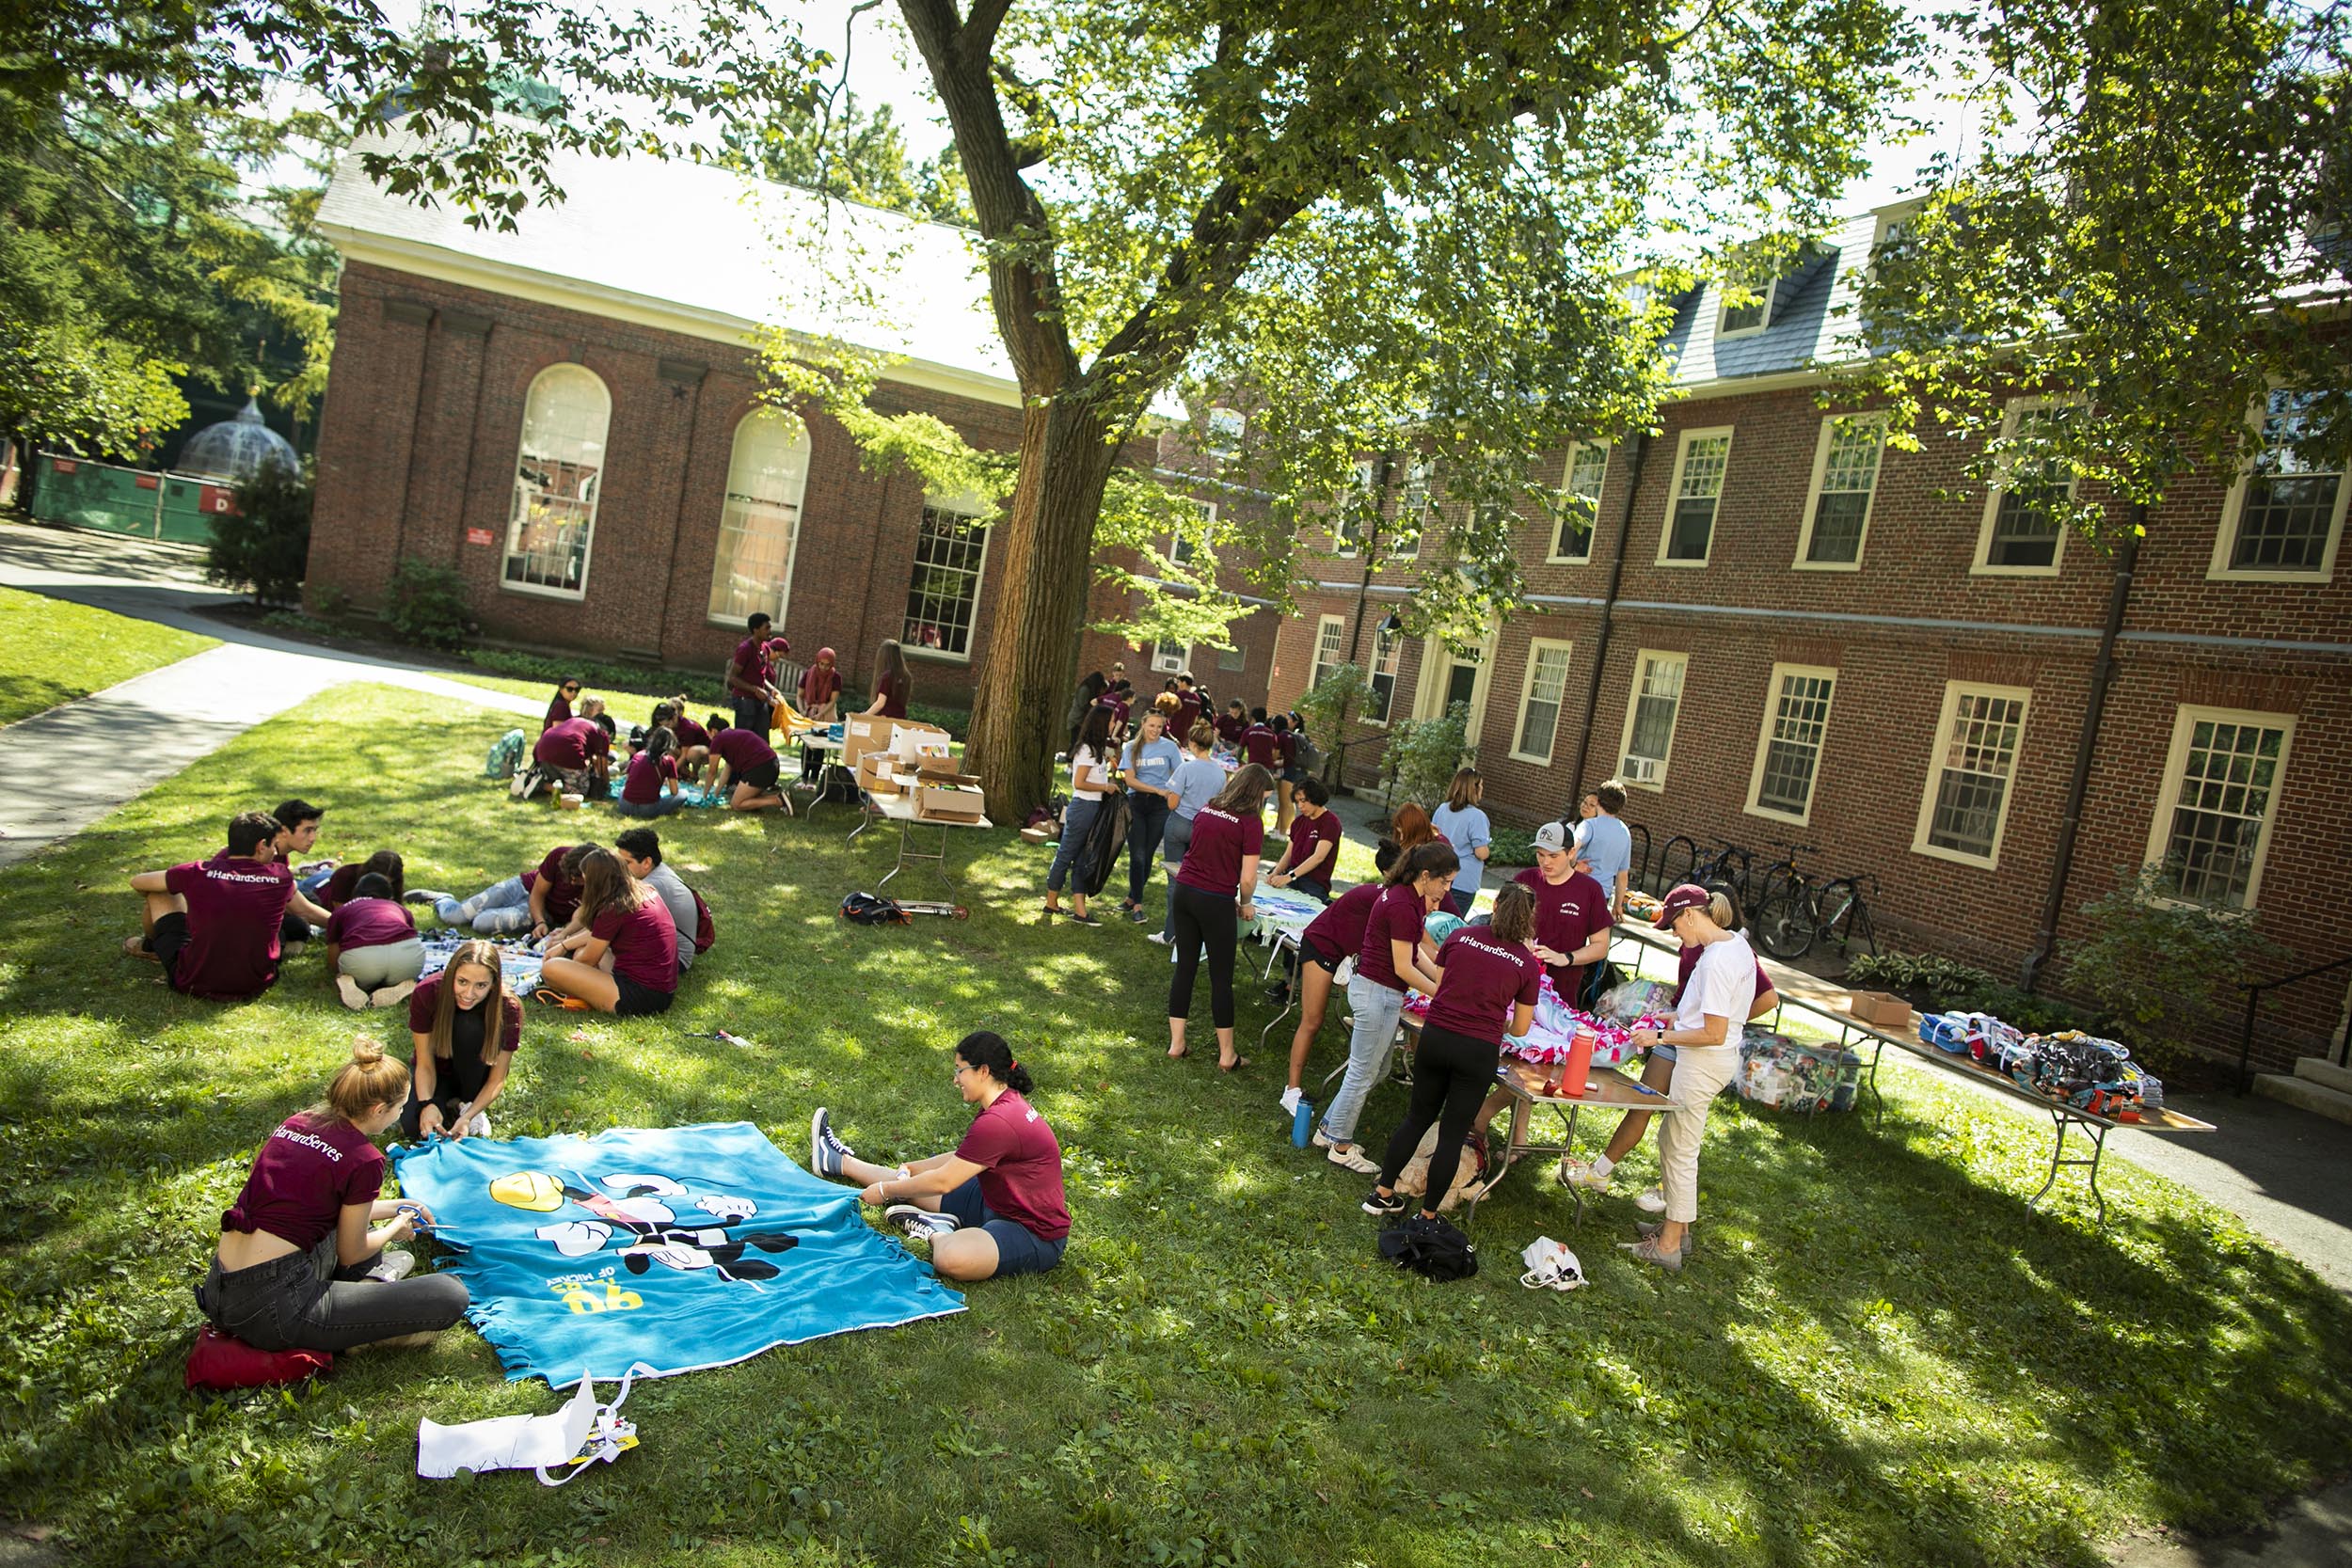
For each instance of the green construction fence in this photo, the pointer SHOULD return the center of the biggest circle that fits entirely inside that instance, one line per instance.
(134, 502)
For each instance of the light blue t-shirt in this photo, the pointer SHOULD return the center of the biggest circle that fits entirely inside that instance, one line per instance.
(1196, 782)
(1468, 830)
(1604, 841)
(1151, 762)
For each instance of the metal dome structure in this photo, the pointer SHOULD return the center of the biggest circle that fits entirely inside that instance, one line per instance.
(237, 449)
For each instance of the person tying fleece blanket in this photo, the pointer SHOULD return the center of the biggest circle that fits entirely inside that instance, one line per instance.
(744, 771)
(373, 950)
(301, 1263)
(542, 899)
(622, 958)
(1390, 962)
(466, 1028)
(994, 1205)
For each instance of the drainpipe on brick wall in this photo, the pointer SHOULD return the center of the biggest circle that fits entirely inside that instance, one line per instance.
(2086, 748)
(1600, 638)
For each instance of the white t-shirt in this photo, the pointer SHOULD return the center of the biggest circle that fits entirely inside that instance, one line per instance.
(1085, 767)
(1723, 984)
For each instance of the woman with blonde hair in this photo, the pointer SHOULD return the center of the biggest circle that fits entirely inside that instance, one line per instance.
(622, 956)
(467, 1027)
(301, 1263)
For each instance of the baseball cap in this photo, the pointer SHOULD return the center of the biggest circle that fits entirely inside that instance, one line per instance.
(1690, 895)
(1553, 836)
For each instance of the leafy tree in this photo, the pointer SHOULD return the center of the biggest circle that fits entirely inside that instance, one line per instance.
(264, 544)
(2154, 230)
(1421, 754)
(2161, 967)
(853, 152)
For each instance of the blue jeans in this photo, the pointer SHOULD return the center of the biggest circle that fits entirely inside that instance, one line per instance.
(1070, 855)
(661, 805)
(1019, 1250)
(1147, 817)
(496, 911)
(1378, 1009)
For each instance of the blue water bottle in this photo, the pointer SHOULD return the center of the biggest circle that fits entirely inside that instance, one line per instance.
(1302, 1123)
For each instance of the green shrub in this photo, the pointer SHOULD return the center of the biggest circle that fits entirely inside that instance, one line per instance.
(428, 605)
(1329, 706)
(1511, 847)
(957, 722)
(263, 545)
(1423, 754)
(2161, 967)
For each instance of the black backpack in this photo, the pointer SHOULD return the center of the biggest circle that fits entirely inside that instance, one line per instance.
(865, 909)
(1433, 1248)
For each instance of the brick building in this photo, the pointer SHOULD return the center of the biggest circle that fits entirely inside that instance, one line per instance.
(1779, 629)
(567, 415)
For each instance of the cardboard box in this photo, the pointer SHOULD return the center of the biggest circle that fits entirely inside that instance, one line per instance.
(942, 804)
(944, 773)
(878, 773)
(861, 735)
(911, 741)
(1877, 1008)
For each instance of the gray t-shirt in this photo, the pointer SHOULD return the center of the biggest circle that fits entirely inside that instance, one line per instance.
(1196, 782)
(680, 900)
(1604, 841)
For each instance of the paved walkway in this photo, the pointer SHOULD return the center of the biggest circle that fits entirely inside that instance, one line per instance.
(65, 768)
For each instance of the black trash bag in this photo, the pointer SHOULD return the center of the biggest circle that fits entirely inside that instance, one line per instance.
(1098, 859)
(1433, 1248)
(866, 909)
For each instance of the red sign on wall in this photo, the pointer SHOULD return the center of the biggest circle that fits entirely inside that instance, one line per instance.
(479, 536)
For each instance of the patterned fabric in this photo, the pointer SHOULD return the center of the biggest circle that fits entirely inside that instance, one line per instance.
(1778, 1071)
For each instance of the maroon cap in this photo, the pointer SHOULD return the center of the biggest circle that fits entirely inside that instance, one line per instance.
(1690, 895)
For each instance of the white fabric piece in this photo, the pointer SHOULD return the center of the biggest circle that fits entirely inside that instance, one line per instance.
(1550, 1266)
(581, 1428)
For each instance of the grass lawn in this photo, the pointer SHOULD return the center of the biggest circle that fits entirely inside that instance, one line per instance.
(52, 652)
(1879, 1355)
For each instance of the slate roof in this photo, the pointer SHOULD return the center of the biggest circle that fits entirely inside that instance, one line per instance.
(1805, 325)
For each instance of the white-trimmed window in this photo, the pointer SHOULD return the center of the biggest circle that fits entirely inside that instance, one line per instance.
(1649, 717)
(1167, 658)
(2024, 533)
(1414, 516)
(1701, 459)
(559, 468)
(1845, 480)
(1579, 503)
(2212, 828)
(1226, 427)
(1972, 772)
(1388, 657)
(1180, 550)
(1233, 659)
(2285, 518)
(951, 550)
(1542, 697)
(1745, 321)
(760, 525)
(1330, 637)
(1788, 748)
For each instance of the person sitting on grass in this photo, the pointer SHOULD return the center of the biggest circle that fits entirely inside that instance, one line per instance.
(578, 751)
(302, 1262)
(372, 949)
(994, 1207)
(341, 884)
(466, 1028)
(561, 707)
(298, 833)
(622, 958)
(215, 925)
(649, 788)
(640, 849)
(693, 741)
(540, 900)
(744, 771)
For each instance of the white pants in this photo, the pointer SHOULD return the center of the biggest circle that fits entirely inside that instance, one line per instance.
(1700, 1074)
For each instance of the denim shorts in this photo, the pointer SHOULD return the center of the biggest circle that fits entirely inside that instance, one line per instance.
(1019, 1250)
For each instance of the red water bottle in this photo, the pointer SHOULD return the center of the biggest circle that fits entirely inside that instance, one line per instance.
(1580, 1064)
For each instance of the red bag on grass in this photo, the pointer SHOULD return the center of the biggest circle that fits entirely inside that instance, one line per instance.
(219, 1361)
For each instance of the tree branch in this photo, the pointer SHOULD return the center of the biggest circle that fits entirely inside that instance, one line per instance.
(980, 30)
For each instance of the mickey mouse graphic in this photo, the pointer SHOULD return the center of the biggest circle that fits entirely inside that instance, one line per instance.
(637, 1204)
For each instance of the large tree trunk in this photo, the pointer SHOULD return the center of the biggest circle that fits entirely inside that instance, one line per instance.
(1040, 559)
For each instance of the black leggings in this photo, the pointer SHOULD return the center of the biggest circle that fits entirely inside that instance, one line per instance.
(1202, 919)
(1451, 1073)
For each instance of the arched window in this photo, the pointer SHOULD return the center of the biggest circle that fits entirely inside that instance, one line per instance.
(761, 525)
(557, 473)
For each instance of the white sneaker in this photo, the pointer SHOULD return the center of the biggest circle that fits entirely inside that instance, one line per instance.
(1290, 1101)
(479, 1126)
(1576, 1173)
(1160, 937)
(348, 988)
(1652, 1201)
(393, 1265)
(1352, 1159)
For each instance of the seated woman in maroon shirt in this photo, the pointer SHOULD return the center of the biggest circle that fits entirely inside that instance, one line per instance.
(623, 957)
(995, 1205)
(301, 1263)
(466, 1028)
(342, 882)
(561, 708)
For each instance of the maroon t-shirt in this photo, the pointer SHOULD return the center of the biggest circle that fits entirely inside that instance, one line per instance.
(1257, 744)
(1339, 931)
(1484, 977)
(558, 711)
(819, 686)
(645, 775)
(1568, 915)
(751, 665)
(426, 998)
(688, 733)
(741, 749)
(1688, 960)
(1286, 747)
(571, 744)
(644, 943)
(562, 893)
(1220, 842)
(1305, 836)
(302, 1178)
(369, 923)
(234, 909)
(894, 691)
(1231, 729)
(336, 889)
(1188, 711)
(1396, 916)
(1020, 1165)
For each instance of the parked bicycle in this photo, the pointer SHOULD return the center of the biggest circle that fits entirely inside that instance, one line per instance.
(1799, 912)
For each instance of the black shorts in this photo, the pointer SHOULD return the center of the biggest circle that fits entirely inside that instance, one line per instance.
(762, 778)
(637, 999)
(165, 941)
(1315, 952)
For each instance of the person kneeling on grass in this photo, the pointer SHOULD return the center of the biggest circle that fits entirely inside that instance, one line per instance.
(540, 900)
(623, 957)
(467, 1029)
(995, 1205)
(216, 925)
(302, 1264)
(372, 949)
(743, 770)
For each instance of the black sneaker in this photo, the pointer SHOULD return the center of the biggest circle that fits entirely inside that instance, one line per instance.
(1381, 1207)
(1278, 995)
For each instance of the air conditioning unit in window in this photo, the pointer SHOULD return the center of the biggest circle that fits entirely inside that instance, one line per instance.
(1639, 770)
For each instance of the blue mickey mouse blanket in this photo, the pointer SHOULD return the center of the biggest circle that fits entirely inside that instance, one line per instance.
(682, 1247)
